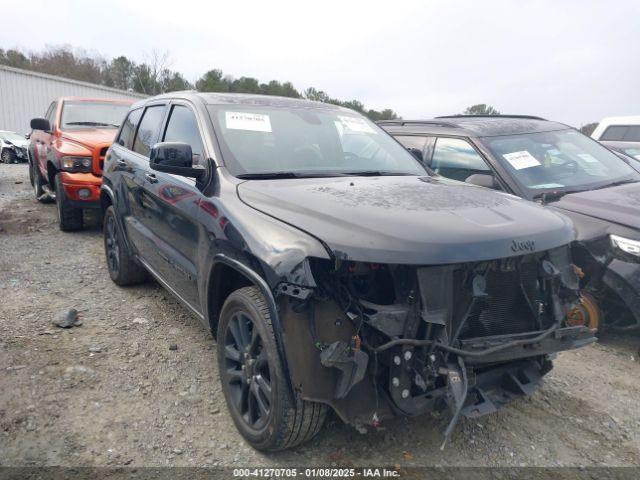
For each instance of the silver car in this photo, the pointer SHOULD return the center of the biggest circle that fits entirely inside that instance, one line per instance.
(13, 147)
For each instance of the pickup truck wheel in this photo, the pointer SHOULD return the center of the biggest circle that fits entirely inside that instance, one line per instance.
(253, 381)
(37, 182)
(30, 173)
(123, 268)
(69, 218)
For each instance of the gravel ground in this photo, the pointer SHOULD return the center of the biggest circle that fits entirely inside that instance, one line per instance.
(111, 392)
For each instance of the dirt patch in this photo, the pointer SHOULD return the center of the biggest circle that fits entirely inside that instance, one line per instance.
(111, 392)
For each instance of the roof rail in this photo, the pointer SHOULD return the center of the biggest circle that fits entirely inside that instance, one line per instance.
(528, 117)
(417, 122)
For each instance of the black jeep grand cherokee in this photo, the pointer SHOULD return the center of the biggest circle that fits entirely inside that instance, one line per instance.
(335, 271)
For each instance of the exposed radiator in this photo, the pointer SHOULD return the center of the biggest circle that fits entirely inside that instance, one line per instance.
(506, 310)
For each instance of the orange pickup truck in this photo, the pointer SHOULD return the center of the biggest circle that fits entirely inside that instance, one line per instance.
(66, 153)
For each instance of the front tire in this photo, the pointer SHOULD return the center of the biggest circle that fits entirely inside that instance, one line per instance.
(253, 381)
(123, 268)
(69, 218)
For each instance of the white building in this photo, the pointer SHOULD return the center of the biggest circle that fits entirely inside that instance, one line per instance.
(25, 95)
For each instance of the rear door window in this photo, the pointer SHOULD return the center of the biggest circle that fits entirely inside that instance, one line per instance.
(183, 127)
(456, 158)
(149, 130)
(128, 130)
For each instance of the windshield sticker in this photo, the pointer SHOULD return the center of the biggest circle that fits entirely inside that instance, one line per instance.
(553, 151)
(588, 158)
(521, 160)
(548, 185)
(356, 124)
(255, 122)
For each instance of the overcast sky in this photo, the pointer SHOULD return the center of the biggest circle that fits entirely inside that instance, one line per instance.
(572, 61)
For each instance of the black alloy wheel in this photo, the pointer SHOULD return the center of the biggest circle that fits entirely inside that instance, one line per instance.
(111, 247)
(267, 414)
(247, 371)
(123, 268)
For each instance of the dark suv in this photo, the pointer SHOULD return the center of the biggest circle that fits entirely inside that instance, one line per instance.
(334, 270)
(557, 166)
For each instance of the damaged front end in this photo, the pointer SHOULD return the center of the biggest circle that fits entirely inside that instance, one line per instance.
(380, 340)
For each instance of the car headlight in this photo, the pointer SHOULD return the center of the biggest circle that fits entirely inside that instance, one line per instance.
(627, 245)
(76, 164)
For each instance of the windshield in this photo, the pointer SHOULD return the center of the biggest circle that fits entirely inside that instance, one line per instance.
(262, 141)
(631, 151)
(558, 160)
(12, 137)
(79, 115)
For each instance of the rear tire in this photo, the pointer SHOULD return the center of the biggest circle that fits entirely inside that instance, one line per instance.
(253, 381)
(37, 181)
(69, 218)
(30, 172)
(123, 268)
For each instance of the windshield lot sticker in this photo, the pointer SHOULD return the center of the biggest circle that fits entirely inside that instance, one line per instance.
(356, 124)
(588, 158)
(521, 160)
(548, 185)
(255, 122)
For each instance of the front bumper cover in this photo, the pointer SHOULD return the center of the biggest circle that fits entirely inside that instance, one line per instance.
(74, 182)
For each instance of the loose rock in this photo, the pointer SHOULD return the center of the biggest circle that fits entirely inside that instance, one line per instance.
(67, 319)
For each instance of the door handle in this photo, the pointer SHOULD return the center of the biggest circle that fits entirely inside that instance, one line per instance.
(121, 163)
(151, 177)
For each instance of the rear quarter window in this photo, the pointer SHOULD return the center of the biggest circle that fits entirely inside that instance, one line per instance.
(128, 131)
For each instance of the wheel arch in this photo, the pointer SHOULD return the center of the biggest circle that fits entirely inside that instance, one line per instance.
(242, 276)
(52, 171)
(106, 198)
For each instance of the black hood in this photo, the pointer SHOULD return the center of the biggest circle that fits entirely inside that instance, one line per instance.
(409, 220)
(620, 205)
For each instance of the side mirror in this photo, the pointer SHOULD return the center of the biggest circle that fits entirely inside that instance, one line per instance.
(175, 158)
(483, 180)
(40, 124)
(416, 153)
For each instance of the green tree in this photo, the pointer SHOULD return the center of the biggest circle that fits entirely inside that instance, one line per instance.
(481, 109)
(174, 81)
(288, 90)
(212, 81)
(120, 73)
(153, 76)
(245, 85)
(588, 128)
(386, 114)
(14, 58)
(316, 95)
(143, 81)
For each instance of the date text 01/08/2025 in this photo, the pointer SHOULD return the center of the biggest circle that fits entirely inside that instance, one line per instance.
(316, 472)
